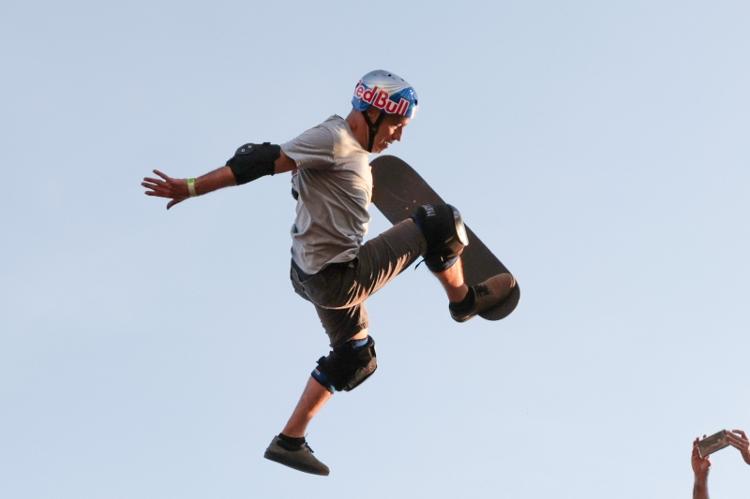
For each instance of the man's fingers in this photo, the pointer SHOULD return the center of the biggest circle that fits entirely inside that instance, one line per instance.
(161, 190)
(162, 175)
(740, 433)
(149, 185)
(162, 187)
(159, 193)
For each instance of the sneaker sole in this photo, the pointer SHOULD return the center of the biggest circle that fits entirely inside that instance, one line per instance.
(279, 458)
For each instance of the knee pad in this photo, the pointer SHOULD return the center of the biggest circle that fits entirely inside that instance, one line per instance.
(444, 231)
(347, 366)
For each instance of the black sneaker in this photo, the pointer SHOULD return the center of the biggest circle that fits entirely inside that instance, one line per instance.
(300, 458)
(487, 294)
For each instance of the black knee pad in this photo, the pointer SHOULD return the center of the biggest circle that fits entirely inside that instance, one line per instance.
(347, 366)
(444, 231)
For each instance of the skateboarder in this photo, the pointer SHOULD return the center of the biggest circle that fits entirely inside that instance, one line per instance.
(331, 265)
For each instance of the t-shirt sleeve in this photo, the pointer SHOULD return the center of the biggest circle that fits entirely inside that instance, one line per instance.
(311, 149)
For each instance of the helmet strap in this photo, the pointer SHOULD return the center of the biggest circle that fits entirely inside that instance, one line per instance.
(372, 128)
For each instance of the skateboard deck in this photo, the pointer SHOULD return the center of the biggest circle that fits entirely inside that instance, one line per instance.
(398, 190)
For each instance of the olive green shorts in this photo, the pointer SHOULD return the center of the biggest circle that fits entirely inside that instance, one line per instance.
(339, 290)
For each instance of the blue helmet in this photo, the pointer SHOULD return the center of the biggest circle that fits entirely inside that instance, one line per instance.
(385, 91)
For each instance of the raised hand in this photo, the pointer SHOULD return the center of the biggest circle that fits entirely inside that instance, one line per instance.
(166, 187)
(700, 464)
(739, 441)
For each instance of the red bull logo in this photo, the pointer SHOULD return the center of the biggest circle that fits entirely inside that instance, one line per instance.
(379, 98)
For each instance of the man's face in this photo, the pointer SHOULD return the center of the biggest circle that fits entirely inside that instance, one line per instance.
(390, 130)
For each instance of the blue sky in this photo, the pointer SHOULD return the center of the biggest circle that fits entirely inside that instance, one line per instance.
(601, 148)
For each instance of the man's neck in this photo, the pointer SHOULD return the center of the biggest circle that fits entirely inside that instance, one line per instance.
(358, 127)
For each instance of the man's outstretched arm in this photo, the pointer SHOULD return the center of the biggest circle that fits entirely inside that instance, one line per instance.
(179, 189)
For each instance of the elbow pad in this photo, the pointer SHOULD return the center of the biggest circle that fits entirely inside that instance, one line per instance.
(253, 161)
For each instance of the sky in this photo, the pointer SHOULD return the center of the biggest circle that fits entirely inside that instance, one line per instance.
(600, 149)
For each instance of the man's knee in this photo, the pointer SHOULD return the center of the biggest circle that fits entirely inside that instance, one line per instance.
(347, 366)
(444, 231)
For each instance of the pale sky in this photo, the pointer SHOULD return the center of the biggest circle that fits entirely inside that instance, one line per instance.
(600, 148)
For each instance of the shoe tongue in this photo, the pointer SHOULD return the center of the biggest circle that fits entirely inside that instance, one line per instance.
(291, 443)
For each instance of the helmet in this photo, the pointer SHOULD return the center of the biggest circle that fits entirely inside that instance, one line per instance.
(385, 91)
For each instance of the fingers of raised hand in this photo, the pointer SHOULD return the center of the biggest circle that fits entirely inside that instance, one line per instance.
(739, 443)
(696, 453)
(741, 434)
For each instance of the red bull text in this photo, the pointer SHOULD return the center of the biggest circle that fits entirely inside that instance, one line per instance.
(378, 98)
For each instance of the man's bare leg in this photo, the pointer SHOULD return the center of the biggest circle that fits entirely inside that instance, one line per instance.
(452, 280)
(313, 398)
(290, 448)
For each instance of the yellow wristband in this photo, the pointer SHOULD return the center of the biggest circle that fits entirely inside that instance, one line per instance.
(191, 187)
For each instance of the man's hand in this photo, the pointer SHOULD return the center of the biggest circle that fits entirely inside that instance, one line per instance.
(166, 187)
(739, 441)
(700, 464)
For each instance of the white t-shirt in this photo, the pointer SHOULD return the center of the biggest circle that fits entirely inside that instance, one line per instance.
(334, 183)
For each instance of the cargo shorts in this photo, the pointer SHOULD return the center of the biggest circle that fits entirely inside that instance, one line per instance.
(339, 290)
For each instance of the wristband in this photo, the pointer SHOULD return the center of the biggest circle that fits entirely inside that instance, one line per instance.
(191, 187)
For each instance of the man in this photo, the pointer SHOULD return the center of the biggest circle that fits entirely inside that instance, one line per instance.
(332, 266)
(737, 439)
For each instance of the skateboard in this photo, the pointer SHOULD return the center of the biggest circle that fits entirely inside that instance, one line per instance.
(398, 190)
